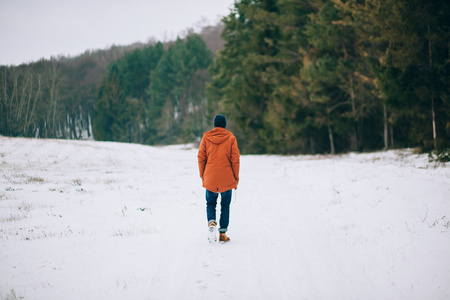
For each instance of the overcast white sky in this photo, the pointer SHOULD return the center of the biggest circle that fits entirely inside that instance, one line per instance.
(33, 29)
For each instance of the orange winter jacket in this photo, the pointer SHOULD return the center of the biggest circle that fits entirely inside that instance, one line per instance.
(218, 160)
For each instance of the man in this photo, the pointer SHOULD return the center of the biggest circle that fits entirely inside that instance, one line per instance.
(218, 163)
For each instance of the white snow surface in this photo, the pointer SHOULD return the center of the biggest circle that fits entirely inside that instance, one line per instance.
(102, 220)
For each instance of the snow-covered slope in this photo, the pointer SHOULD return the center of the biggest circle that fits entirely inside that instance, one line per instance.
(91, 220)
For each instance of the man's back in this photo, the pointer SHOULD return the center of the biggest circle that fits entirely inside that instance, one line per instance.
(218, 159)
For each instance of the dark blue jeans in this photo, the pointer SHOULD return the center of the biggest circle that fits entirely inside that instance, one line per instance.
(211, 203)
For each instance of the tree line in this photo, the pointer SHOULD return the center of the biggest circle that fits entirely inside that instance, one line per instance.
(155, 96)
(332, 76)
(54, 98)
(292, 76)
(71, 97)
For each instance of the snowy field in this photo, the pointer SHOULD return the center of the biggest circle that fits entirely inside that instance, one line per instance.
(92, 220)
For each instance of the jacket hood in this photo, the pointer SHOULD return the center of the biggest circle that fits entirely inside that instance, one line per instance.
(218, 135)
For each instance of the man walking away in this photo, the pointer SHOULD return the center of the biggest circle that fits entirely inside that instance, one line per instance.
(218, 163)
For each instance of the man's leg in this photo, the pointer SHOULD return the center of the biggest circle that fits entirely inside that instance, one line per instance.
(211, 203)
(225, 211)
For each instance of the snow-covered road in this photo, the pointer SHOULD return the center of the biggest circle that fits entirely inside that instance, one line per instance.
(91, 220)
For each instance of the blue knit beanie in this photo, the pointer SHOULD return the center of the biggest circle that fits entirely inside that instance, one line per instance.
(220, 121)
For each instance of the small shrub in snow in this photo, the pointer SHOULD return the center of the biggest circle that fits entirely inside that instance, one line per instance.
(12, 218)
(35, 179)
(12, 296)
(442, 157)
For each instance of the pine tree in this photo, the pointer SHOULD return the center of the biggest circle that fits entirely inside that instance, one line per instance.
(243, 72)
(120, 112)
(174, 102)
(288, 122)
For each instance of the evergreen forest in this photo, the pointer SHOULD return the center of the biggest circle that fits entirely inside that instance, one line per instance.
(292, 76)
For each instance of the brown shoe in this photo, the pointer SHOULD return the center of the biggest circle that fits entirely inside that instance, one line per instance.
(223, 238)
